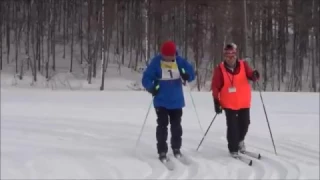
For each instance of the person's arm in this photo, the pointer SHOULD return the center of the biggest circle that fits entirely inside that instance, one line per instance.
(187, 70)
(149, 76)
(216, 85)
(252, 75)
(216, 82)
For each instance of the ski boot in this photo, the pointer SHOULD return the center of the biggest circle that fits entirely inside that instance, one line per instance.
(177, 153)
(163, 157)
(234, 154)
(242, 147)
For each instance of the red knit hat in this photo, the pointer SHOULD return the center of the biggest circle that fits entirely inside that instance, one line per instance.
(168, 48)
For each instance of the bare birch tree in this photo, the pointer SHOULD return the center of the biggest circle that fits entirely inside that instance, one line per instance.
(47, 37)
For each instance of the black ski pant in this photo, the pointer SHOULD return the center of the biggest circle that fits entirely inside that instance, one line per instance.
(237, 127)
(164, 117)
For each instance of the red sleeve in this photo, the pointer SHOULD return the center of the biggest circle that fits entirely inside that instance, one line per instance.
(216, 82)
(249, 71)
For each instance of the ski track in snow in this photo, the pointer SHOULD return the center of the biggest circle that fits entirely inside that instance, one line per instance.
(95, 141)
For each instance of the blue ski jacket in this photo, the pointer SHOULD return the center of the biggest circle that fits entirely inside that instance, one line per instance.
(167, 76)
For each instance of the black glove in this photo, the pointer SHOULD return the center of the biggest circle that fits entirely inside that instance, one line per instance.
(217, 106)
(185, 77)
(154, 90)
(255, 75)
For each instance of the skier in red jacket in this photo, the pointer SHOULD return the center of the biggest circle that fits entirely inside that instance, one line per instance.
(231, 92)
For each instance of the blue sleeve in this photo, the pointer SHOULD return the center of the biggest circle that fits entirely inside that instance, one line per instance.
(188, 69)
(149, 75)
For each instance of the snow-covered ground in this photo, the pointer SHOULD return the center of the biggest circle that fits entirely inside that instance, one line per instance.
(67, 134)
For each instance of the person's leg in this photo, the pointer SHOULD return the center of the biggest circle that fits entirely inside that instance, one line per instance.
(162, 131)
(244, 122)
(176, 130)
(232, 130)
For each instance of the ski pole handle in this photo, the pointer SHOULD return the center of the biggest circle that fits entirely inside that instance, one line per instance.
(183, 72)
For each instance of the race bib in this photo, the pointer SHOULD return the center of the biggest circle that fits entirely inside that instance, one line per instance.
(169, 70)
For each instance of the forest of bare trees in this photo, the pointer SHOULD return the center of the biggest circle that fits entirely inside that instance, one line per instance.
(281, 37)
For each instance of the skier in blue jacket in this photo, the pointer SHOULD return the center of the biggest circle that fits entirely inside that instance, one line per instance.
(164, 78)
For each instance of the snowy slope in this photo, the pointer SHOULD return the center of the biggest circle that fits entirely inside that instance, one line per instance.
(84, 134)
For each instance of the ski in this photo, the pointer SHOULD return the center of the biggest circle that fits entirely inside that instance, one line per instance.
(252, 154)
(167, 163)
(246, 160)
(183, 159)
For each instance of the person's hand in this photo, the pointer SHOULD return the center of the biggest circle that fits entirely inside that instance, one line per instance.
(217, 106)
(154, 90)
(255, 75)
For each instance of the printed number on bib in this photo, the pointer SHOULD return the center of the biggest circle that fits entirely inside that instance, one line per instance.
(169, 71)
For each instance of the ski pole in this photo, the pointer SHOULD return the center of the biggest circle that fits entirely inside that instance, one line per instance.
(194, 105)
(145, 120)
(207, 131)
(265, 112)
(195, 109)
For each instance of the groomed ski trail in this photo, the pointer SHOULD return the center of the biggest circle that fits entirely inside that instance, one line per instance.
(73, 135)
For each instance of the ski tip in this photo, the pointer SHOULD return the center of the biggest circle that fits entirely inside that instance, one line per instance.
(259, 156)
(165, 160)
(168, 164)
